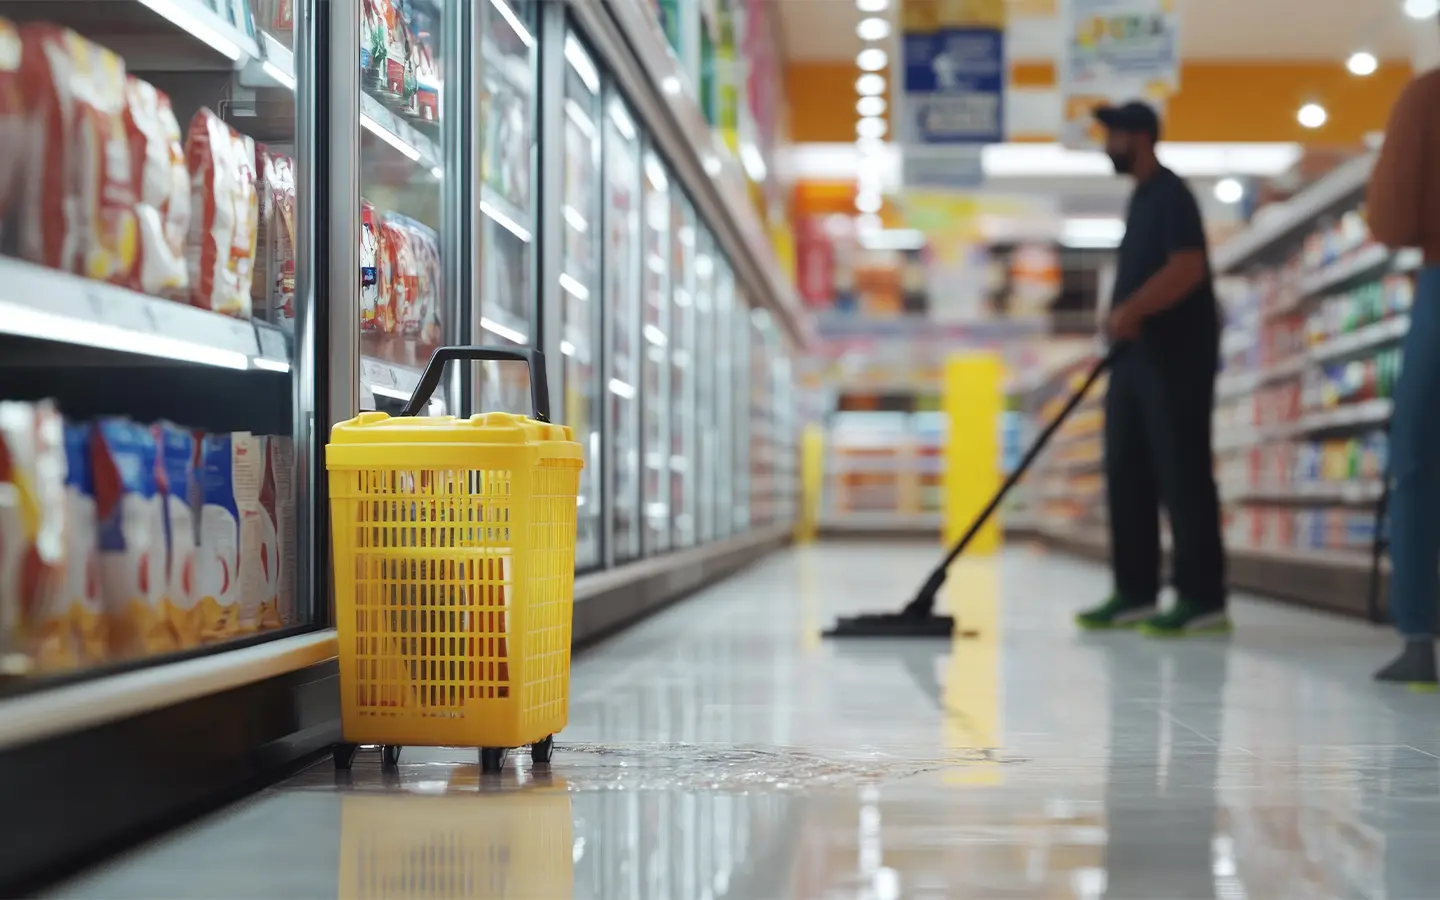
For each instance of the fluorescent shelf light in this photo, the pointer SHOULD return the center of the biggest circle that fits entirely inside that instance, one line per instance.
(655, 336)
(656, 172)
(582, 119)
(622, 121)
(24, 321)
(498, 217)
(572, 284)
(575, 218)
(392, 393)
(580, 61)
(514, 22)
(704, 265)
(270, 365)
(754, 162)
(509, 334)
(287, 79)
(567, 348)
(182, 18)
(622, 389)
(893, 239)
(389, 137)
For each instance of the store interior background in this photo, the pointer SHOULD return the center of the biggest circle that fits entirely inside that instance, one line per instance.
(699, 211)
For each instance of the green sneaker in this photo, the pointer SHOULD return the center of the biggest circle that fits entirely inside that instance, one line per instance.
(1114, 613)
(1186, 620)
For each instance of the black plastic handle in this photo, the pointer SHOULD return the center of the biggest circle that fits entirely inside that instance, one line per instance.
(533, 359)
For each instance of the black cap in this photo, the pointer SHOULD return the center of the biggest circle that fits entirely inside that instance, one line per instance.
(1133, 117)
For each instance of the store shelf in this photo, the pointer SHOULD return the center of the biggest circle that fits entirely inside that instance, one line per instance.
(1361, 340)
(1317, 494)
(1368, 260)
(58, 307)
(1369, 412)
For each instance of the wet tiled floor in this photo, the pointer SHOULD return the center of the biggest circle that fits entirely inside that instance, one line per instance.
(722, 750)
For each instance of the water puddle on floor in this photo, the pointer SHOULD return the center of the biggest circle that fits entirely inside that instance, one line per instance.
(650, 766)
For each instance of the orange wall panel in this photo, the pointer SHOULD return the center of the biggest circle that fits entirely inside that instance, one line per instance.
(1218, 101)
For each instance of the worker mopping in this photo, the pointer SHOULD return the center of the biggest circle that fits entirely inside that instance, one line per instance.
(1158, 411)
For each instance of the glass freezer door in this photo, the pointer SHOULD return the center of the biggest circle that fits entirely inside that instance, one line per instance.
(507, 309)
(621, 221)
(579, 277)
(704, 395)
(682, 461)
(655, 367)
(403, 213)
(723, 427)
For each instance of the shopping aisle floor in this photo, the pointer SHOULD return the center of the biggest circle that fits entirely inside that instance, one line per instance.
(722, 750)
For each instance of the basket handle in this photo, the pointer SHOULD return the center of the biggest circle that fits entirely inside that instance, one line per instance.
(533, 359)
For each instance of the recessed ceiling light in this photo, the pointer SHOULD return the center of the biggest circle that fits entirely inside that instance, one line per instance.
(1422, 9)
(1312, 115)
(1229, 190)
(873, 29)
(871, 59)
(870, 85)
(869, 146)
(872, 6)
(1362, 63)
(871, 127)
(868, 202)
(870, 106)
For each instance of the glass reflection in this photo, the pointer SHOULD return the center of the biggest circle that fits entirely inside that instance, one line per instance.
(655, 363)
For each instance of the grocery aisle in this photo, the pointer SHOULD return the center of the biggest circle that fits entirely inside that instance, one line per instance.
(721, 750)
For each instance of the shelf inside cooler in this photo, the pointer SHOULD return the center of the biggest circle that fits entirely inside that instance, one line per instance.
(154, 35)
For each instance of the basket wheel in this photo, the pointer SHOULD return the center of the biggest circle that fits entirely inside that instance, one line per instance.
(492, 759)
(344, 755)
(542, 750)
(390, 756)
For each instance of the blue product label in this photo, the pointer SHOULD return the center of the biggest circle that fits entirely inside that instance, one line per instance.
(217, 481)
(124, 458)
(177, 455)
(78, 473)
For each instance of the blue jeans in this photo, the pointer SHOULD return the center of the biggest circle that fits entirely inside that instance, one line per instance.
(1415, 469)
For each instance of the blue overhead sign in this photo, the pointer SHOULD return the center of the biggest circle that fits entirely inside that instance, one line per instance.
(954, 88)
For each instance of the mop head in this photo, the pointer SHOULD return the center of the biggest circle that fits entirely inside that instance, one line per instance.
(892, 625)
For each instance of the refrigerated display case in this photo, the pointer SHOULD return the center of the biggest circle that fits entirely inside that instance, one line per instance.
(579, 282)
(739, 339)
(655, 365)
(723, 422)
(683, 413)
(507, 309)
(623, 331)
(704, 366)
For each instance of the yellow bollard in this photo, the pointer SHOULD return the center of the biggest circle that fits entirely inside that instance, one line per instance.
(973, 398)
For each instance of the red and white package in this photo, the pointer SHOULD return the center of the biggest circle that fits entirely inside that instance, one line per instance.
(274, 283)
(14, 122)
(162, 187)
(399, 271)
(224, 215)
(425, 303)
(77, 211)
(369, 268)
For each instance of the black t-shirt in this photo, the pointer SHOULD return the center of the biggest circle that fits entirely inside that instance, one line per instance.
(1164, 218)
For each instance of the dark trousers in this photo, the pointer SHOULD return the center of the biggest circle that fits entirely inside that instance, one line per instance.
(1157, 451)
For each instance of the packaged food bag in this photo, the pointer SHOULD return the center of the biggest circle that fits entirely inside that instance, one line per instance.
(15, 138)
(369, 267)
(399, 272)
(423, 303)
(224, 209)
(130, 514)
(80, 595)
(226, 460)
(162, 187)
(77, 208)
(32, 535)
(273, 287)
(180, 486)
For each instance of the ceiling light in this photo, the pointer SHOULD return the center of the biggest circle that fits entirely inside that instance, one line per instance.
(1422, 9)
(1362, 63)
(1229, 190)
(1312, 115)
(872, 6)
(870, 85)
(869, 146)
(873, 59)
(868, 223)
(873, 29)
(868, 202)
(871, 127)
(870, 106)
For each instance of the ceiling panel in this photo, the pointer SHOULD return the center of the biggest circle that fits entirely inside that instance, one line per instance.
(1269, 30)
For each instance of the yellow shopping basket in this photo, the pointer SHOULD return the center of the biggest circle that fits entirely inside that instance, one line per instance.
(454, 559)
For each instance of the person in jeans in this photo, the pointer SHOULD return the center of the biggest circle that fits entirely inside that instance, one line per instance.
(1403, 203)
(1161, 398)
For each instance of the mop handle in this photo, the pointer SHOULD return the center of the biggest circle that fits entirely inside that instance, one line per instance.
(1100, 367)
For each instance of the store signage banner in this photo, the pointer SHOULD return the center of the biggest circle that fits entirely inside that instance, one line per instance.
(954, 74)
(1115, 51)
(960, 167)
